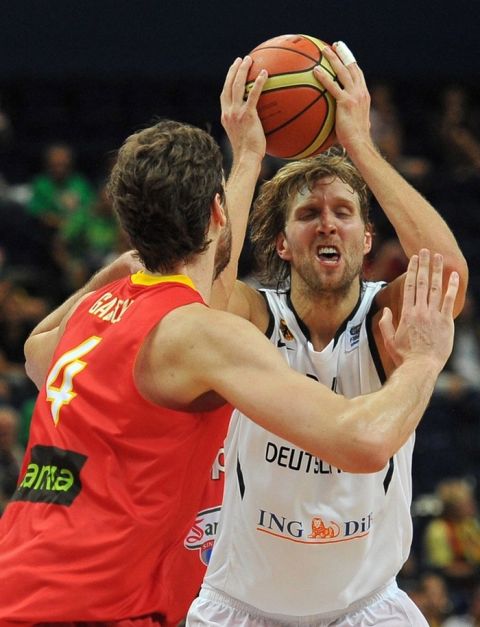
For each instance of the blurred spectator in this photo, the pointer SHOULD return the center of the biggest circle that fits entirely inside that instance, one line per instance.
(458, 387)
(6, 136)
(6, 131)
(430, 594)
(103, 237)
(61, 196)
(452, 539)
(463, 368)
(61, 200)
(19, 313)
(456, 133)
(11, 453)
(471, 618)
(389, 135)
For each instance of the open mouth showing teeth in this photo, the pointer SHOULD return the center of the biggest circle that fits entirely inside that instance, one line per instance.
(328, 253)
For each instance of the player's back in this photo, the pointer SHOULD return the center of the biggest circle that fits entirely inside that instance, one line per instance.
(111, 481)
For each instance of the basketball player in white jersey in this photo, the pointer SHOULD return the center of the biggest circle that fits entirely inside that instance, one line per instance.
(303, 542)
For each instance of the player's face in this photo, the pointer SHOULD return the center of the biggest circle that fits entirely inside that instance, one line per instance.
(325, 238)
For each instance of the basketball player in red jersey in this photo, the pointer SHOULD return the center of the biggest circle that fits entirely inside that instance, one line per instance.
(133, 405)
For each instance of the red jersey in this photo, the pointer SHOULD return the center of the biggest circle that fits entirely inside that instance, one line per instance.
(198, 542)
(111, 483)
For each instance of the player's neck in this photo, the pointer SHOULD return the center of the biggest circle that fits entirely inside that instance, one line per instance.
(323, 312)
(200, 272)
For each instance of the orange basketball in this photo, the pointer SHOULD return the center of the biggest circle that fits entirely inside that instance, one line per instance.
(297, 113)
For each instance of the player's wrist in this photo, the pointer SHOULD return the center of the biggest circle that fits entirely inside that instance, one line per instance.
(246, 163)
(428, 366)
(360, 147)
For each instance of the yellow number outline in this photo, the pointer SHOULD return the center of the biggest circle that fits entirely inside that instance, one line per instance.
(71, 364)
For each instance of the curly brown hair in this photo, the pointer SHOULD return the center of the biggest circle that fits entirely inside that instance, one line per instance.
(272, 205)
(162, 186)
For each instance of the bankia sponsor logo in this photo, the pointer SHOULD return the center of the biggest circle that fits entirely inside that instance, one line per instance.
(201, 536)
(314, 530)
(52, 476)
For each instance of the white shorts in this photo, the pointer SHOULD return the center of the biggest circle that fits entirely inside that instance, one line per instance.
(390, 606)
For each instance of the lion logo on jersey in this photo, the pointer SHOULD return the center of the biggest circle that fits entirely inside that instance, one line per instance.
(320, 531)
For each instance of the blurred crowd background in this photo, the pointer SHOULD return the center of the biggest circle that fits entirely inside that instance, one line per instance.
(74, 85)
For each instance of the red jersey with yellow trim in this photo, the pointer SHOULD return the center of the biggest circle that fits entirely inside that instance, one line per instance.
(111, 483)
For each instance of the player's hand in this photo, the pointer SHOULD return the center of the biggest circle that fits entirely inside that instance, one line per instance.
(127, 263)
(352, 117)
(239, 116)
(425, 330)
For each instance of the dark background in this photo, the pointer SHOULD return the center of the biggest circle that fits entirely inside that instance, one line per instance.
(92, 71)
(173, 38)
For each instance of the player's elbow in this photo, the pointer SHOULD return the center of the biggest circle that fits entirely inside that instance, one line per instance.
(457, 263)
(31, 367)
(369, 452)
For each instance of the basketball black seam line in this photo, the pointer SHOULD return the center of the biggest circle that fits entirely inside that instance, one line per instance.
(307, 56)
(322, 91)
(297, 115)
(278, 128)
(332, 75)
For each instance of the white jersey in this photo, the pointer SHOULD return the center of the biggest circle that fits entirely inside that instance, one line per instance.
(297, 535)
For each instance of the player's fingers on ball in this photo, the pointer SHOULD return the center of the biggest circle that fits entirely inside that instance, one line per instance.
(344, 53)
(226, 93)
(436, 281)
(256, 90)
(240, 78)
(340, 69)
(410, 282)
(422, 284)
(450, 294)
(326, 80)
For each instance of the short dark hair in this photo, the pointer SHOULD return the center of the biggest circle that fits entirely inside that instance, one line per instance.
(162, 186)
(271, 208)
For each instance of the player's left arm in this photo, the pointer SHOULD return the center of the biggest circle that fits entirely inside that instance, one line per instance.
(42, 341)
(247, 139)
(417, 224)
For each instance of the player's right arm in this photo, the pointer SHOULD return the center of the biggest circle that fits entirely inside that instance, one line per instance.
(201, 351)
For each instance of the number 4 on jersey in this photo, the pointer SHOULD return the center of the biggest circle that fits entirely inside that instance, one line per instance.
(68, 365)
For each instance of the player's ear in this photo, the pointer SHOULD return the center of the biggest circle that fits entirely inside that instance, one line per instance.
(218, 211)
(283, 249)
(368, 241)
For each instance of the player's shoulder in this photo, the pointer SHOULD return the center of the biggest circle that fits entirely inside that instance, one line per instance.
(197, 324)
(249, 302)
(391, 295)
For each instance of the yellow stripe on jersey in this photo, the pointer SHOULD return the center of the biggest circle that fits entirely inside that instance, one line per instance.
(141, 278)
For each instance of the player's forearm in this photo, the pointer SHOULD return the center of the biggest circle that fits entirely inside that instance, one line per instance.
(416, 222)
(381, 422)
(240, 189)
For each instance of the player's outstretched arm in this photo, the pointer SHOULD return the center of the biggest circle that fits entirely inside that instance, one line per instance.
(41, 343)
(228, 355)
(247, 140)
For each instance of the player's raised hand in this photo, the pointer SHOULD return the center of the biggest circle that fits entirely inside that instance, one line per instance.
(352, 118)
(239, 116)
(426, 328)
